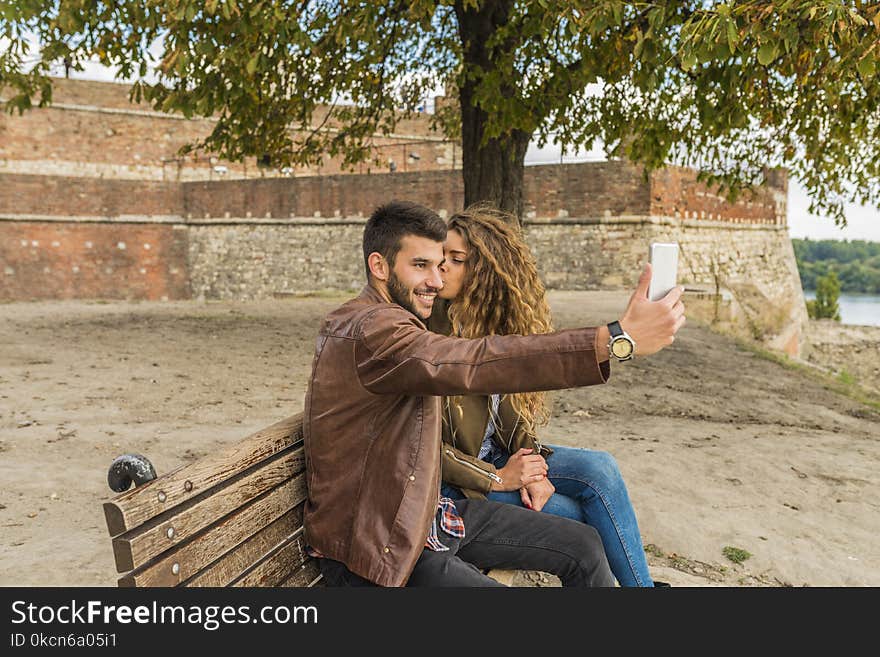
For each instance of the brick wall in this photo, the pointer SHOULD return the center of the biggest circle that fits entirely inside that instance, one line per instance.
(62, 196)
(675, 192)
(592, 189)
(589, 190)
(593, 213)
(92, 130)
(70, 260)
(320, 196)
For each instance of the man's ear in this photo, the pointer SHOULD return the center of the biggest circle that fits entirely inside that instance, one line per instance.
(378, 266)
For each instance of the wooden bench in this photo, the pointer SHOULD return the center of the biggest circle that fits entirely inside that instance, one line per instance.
(232, 518)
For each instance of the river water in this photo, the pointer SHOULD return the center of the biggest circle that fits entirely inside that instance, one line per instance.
(863, 309)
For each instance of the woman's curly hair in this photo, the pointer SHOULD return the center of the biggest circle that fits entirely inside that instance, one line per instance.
(502, 293)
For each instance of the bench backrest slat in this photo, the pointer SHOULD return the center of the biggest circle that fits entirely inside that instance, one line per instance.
(135, 507)
(233, 518)
(204, 549)
(228, 567)
(308, 575)
(139, 545)
(278, 566)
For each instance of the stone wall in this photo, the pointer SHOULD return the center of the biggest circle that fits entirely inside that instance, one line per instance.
(850, 352)
(234, 261)
(743, 277)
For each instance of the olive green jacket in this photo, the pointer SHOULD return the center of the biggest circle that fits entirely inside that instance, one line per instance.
(465, 419)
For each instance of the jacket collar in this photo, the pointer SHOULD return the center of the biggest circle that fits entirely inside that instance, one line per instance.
(371, 294)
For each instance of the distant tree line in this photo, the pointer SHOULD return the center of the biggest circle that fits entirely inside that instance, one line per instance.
(856, 264)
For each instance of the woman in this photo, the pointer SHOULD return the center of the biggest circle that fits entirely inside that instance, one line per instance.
(490, 448)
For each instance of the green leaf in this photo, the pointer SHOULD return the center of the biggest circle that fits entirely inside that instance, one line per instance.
(688, 61)
(640, 44)
(518, 77)
(766, 54)
(732, 37)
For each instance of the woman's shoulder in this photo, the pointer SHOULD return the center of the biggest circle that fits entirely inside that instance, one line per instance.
(467, 405)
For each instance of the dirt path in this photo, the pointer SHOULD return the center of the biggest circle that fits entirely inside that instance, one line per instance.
(720, 448)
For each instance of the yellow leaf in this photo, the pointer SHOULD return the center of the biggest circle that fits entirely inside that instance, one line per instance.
(252, 64)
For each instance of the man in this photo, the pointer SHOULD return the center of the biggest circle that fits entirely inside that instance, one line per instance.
(372, 425)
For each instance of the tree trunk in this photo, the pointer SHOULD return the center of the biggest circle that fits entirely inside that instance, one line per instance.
(492, 171)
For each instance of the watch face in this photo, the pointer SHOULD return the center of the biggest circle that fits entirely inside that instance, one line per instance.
(621, 348)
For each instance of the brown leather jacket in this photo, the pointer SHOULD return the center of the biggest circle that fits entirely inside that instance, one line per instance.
(372, 422)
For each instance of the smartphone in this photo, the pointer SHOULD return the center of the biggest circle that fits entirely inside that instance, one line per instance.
(664, 266)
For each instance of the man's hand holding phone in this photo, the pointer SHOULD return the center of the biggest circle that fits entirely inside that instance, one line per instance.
(653, 324)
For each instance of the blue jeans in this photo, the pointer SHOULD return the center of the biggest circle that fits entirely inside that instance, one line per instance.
(590, 489)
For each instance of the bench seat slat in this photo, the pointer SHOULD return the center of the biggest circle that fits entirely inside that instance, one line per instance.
(213, 543)
(135, 507)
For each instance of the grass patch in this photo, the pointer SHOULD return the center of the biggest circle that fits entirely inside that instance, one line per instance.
(652, 549)
(735, 554)
(846, 378)
(843, 383)
(326, 293)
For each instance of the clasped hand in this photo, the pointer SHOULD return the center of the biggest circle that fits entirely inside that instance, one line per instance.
(527, 473)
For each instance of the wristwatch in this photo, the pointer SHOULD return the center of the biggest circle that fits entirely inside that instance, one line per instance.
(621, 345)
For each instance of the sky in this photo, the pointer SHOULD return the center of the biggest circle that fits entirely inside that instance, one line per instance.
(863, 223)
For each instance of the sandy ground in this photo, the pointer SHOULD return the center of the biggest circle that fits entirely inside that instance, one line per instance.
(720, 448)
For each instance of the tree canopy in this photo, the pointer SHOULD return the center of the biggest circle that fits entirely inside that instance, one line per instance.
(726, 87)
(856, 264)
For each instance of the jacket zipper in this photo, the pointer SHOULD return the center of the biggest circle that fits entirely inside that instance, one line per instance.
(491, 475)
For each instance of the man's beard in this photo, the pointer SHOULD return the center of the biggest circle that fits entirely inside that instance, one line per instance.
(400, 294)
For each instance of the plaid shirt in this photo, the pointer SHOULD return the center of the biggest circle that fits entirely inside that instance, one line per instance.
(450, 522)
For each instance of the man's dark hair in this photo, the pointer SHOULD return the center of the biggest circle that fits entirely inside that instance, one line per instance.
(391, 222)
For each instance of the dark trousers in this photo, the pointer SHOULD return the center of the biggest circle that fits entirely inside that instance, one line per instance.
(501, 535)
